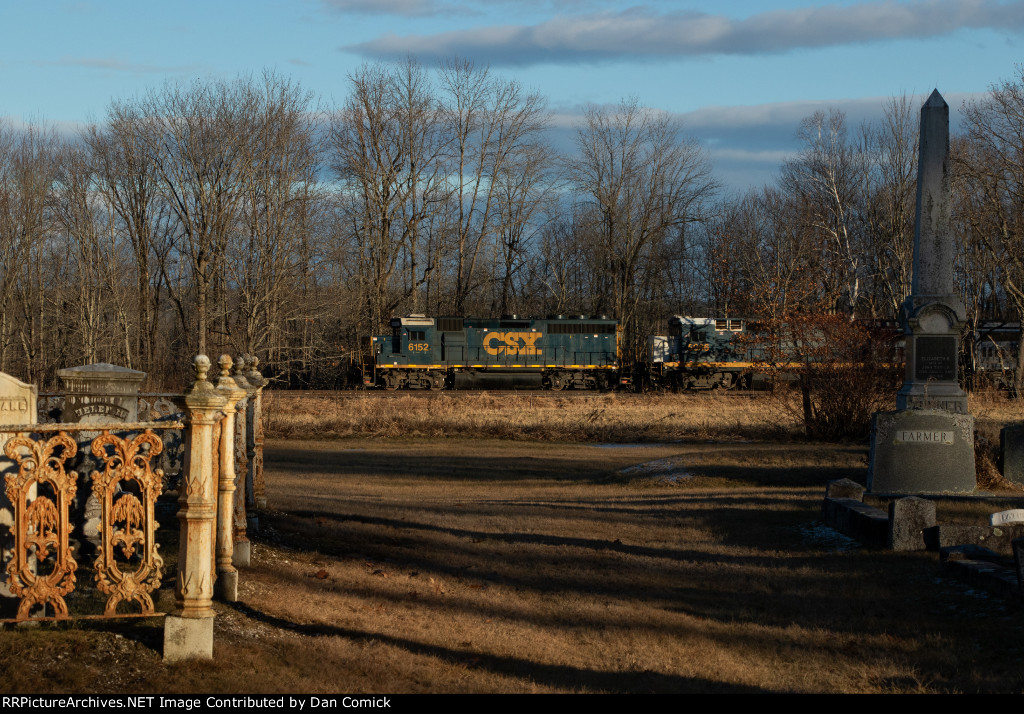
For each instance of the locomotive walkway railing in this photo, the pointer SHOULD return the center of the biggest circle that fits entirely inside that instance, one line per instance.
(44, 493)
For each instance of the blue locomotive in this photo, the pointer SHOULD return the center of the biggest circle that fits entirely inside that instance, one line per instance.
(557, 352)
(701, 353)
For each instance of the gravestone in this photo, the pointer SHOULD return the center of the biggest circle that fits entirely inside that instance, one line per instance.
(18, 403)
(927, 444)
(97, 393)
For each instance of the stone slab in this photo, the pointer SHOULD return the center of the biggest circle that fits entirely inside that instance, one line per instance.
(844, 488)
(998, 539)
(1011, 441)
(970, 552)
(856, 519)
(908, 519)
(921, 451)
(983, 574)
(187, 638)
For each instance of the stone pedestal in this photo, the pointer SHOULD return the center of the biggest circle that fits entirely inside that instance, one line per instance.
(921, 451)
(932, 345)
(187, 638)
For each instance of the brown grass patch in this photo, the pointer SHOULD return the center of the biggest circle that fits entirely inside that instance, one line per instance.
(524, 416)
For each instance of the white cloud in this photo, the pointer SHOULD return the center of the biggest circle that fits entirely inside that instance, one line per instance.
(643, 33)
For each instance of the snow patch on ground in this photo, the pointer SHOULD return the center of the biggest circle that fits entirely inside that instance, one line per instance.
(670, 470)
(821, 536)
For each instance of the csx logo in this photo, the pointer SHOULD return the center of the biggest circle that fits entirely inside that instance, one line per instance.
(512, 343)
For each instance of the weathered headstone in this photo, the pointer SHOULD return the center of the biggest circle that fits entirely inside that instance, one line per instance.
(908, 519)
(927, 444)
(18, 402)
(97, 393)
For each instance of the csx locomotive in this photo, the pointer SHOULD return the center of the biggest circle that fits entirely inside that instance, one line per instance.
(557, 353)
(700, 353)
(576, 352)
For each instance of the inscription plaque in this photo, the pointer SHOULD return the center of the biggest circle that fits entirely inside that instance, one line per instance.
(1003, 517)
(924, 437)
(935, 358)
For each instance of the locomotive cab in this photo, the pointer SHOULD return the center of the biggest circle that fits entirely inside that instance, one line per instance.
(700, 353)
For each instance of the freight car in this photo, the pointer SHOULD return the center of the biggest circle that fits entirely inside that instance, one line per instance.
(557, 352)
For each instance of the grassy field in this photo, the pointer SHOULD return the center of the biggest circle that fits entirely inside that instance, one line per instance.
(421, 564)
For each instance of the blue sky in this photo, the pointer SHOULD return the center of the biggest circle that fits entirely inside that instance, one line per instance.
(740, 74)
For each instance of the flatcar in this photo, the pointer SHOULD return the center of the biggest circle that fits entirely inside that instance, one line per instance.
(558, 352)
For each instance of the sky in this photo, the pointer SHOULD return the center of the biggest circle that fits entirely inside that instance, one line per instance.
(739, 74)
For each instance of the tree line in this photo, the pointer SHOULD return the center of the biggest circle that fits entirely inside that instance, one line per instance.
(246, 216)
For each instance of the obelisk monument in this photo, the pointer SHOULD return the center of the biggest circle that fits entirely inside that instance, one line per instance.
(927, 444)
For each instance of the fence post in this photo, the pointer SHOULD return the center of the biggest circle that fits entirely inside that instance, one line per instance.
(188, 633)
(243, 552)
(227, 575)
(255, 437)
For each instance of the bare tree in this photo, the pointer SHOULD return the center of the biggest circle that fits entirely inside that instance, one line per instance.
(993, 170)
(387, 155)
(200, 140)
(280, 200)
(826, 179)
(891, 171)
(493, 125)
(643, 182)
(28, 165)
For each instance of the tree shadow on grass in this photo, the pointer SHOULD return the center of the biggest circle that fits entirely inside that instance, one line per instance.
(561, 676)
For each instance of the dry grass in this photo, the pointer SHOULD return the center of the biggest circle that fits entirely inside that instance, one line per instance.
(517, 415)
(421, 565)
(545, 417)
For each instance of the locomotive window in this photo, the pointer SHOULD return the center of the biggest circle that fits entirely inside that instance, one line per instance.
(721, 325)
(736, 325)
(417, 335)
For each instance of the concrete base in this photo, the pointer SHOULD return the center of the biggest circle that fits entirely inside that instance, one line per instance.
(226, 587)
(187, 638)
(241, 557)
(921, 451)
